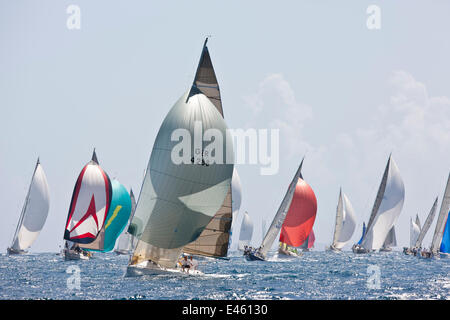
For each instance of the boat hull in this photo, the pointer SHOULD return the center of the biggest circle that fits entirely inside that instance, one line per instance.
(14, 251)
(285, 253)
(74, 255)
(153, 269)
(359, 250)
(332, 249)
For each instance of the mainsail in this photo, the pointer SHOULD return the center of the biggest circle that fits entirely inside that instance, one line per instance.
(278, 220)
(245, 236)
(126, 241)
(215, 238)
(301, 215)
(414, 232)
(90, 204)
(34, 212)
(391, 239)
(345, 222)
(442, 218)
(426, 225)
(179, 197)
(116, 220)
(386, 209)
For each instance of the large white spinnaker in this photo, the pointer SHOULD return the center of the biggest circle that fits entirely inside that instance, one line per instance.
(245, 236)
(184, 185)
(34, 212)
(440, 224)
(345, 222)
(387, 208)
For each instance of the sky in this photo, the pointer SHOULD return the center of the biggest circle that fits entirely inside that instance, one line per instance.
(342, 94)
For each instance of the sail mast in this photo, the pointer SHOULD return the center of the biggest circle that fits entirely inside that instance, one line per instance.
(22, 214)
(426, 225)
(278, 220)
(339, 218)
(440, 225)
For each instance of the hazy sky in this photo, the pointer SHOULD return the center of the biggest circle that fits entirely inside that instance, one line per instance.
(342, 94)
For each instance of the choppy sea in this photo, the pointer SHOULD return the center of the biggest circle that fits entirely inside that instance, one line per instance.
(316, 275)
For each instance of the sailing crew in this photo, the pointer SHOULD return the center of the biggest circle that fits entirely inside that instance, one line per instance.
(185, 264)
(193, 263)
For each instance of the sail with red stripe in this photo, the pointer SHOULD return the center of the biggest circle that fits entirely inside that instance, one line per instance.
(301, 215)
(90, 203)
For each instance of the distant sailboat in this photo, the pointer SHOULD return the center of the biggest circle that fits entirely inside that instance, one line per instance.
(246, 233)
(88, 209)
(278, 220)
(126, 239)
(34, 213)
(387, 207)
(345, 223)
(417, 244)
(390, 241)
(179, 199)
(215, 239)
(297, 226)
(439, 241)
(414, 231)
(116, 220)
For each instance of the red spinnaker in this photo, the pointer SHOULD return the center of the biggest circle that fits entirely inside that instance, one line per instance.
(300, 217)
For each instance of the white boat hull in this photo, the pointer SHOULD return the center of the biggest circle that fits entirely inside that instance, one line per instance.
(151, 269)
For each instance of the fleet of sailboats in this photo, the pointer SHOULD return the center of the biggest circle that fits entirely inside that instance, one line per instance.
(191, 207)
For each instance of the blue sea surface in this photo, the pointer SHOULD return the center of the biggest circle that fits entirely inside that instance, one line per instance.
(316, 275)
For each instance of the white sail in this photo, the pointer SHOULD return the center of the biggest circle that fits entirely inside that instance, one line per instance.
(236, 199)
(178, 200)
(440, 224)
(391, 239)
(278, 220)
(387, 208)
(245, 236)
(34, 213)
(263, 229)
(414, 232)
(345, 222)
(426, 226)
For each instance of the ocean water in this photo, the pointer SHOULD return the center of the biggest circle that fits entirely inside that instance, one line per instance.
(316, 275)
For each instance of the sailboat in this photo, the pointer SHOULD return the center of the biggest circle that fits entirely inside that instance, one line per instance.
(91, 200)
(34, 213)
(126, 240)
(297, 226)
(275, 227)
(386, 209)
(246, 233)
(390, 241)
(214, 241)
(116, 220)
(345, 223)
(439, 244)
(179, 198)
